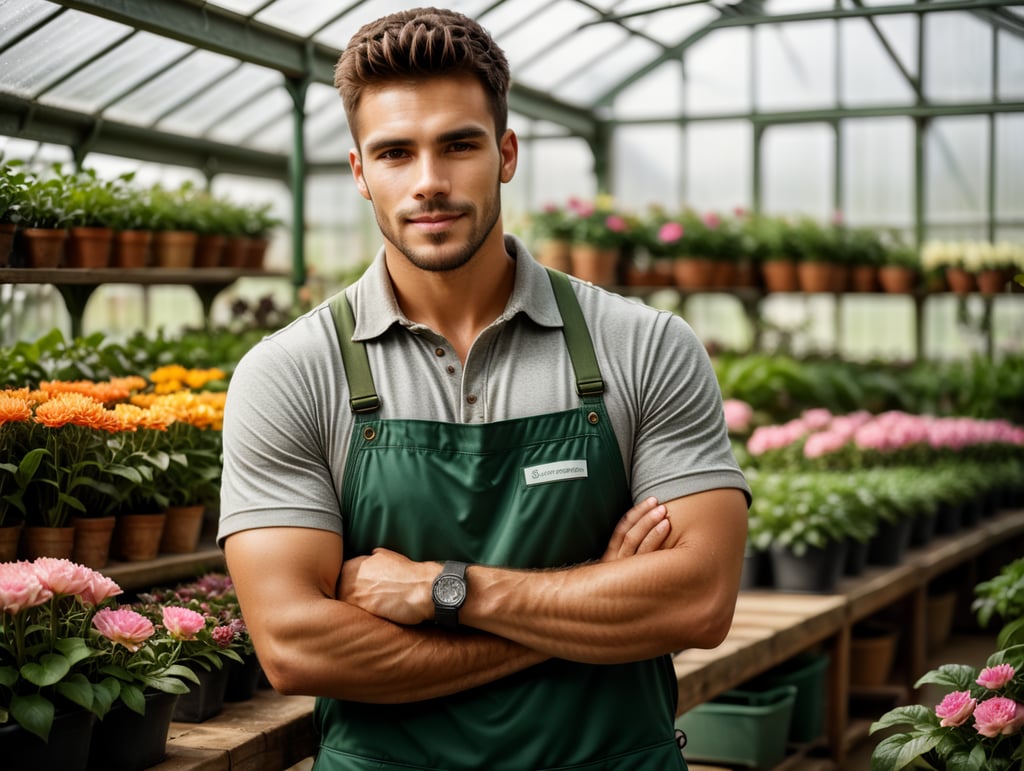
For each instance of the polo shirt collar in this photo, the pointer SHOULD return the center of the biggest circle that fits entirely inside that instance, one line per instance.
(376, 307)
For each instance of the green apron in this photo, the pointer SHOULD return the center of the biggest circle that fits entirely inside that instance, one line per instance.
(486, 494)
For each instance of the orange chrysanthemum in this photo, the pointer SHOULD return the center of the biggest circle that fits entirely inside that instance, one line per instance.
(65, 408)
(14, 409)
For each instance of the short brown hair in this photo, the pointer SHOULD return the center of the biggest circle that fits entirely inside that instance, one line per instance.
(423, 42)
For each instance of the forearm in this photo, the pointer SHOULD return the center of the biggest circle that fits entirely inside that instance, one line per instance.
(354, 655)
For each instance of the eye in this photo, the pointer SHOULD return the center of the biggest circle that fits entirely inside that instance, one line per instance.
(394, 154)
(461, 147)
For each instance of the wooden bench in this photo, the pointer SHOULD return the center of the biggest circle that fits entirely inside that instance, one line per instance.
(273, 732)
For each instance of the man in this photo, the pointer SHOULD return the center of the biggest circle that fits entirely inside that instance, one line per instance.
(458, 406)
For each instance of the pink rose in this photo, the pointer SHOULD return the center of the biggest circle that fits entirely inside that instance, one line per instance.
(996, 677)
(124, 627)
(955, 708)
(616, 224)
(182, 623)
(21, 588)
(1000, 715)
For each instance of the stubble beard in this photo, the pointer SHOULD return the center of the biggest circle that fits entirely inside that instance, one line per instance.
(432, 261)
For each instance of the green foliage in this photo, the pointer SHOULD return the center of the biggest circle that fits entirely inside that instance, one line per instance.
(1002, 595)
(13, 189)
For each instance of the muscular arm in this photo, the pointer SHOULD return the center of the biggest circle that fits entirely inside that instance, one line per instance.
(680, 596)
(310, 643)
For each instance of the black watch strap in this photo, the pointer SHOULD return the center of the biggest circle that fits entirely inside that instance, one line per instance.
(447, 614)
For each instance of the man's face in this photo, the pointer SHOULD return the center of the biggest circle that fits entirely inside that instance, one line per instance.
(429, 163)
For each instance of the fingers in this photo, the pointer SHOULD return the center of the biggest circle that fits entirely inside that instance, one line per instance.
(642, 529)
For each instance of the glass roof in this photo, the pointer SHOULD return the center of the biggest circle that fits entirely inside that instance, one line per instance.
(216, 73)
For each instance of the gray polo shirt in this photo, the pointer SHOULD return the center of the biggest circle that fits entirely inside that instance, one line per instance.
(287, 422)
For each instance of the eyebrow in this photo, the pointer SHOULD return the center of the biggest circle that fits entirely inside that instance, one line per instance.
(456, 135)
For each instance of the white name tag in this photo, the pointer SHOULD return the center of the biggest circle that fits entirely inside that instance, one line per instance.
(555, 472)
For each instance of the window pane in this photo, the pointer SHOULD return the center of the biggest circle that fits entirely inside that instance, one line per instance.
(958, 52)
(795, 65)
(718, 164)
(718, 73)
(648, 164)
(956, 152)
(878, 171)
(798, 170)
(870, 76)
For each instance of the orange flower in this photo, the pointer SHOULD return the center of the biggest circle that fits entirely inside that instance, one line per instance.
(69, 408)
(14, 409)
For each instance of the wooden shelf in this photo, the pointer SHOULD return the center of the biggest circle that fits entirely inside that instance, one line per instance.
(165, 569)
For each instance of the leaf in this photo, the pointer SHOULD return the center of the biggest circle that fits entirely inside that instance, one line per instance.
(75, 649)
(167, 684)
(51, 668)
(915, 747)
(8, 676)
(103, 695)
(959, 676)
(33, 713)
(914, 714)
(132, 697)
(77, 689)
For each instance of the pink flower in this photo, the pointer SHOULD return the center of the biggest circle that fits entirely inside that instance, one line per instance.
(996, 677)
(62, 576)
(816, 418)
(712, 220)
(738, 415)
(955, 708)
(616, 224)
(824, 443)
(670, 232)
(123, 627)
(21, 588)
(182, 623)
(1000, 715)
(100, 588)
(223, 636)
(739, 212)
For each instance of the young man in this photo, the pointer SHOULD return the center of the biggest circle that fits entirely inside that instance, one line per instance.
(441, 488)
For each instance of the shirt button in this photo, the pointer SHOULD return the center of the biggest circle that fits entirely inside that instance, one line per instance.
(451, 369)
(439, 351)
(471, 398)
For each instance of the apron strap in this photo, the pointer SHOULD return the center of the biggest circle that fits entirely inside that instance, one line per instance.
(362, 393)
(577, 337)
(364, 396)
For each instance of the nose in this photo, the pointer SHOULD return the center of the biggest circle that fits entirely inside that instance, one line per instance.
(432, 178)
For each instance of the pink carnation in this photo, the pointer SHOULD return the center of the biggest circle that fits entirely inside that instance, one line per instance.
(182, 623)
(1000, 715)
(996, 677)
(223, 636)
(100, 588)
(670, 232)
(816, 418)
(616, 224)
(62, 576)
(955, 708)
(738, 415)
(124, 627)
(824, 443)
(21, 588)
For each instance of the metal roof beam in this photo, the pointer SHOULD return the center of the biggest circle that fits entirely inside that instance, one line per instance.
(216, 29)
(25, 119)
(541, 106)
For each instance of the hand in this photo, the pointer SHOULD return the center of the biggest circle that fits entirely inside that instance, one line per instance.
(642, 529)
(389, 585)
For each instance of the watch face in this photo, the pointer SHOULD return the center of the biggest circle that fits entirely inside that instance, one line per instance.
(449, 591)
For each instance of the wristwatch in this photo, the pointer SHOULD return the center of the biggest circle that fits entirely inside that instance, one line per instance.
(449, 593)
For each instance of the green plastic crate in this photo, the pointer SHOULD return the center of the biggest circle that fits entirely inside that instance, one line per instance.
(806, 671)
(746, 728)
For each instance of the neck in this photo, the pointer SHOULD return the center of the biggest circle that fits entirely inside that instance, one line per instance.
(460, 303)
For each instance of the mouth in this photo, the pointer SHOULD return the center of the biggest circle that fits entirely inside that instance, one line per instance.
(435, 222)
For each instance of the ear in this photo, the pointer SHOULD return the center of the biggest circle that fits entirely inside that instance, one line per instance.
(509, 149)
(356, 164)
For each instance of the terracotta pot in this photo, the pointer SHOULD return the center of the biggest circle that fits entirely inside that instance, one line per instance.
(37, 541)
(6, 241)
(132, 248)
(596, 265)
(960, 281)
(814, 276)
(872, 652)
(896, 279)
(992, 282)
(779, 275)
(44, 247)
(747, 273)
(234, 252)
(840, 278)
(89, 247)
(693, 273)
(181, 529)
(174, 248)
(255, 253)
(724, 274)
(92, 541)
(10, 537)
(137, 536)
(864, 278)
(554, 253)
(210, 251)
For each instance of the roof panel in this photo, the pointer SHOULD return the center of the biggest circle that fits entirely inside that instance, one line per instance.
(590, 81)
(242, 122)
(302, 17)
(29, 66)
(147, 104)
(673, 25)
(337, 33)
(534, 40)
(220, 100)
(20, 16)
(115, 74)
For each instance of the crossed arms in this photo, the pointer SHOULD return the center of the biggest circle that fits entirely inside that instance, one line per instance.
(350, 629)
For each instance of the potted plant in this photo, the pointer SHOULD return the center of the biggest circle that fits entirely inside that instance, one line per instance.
(771, 251)
(865, 254)
(900, 267)
(814, 246)
(599, 233)
(133, 219)
(45, 214)
(1001, 596)
(92, 202)
(174, 225)
(550, 232)
(12, 193)
(257, 224)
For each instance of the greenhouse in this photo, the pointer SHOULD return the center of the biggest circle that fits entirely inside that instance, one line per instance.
(827, 197)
